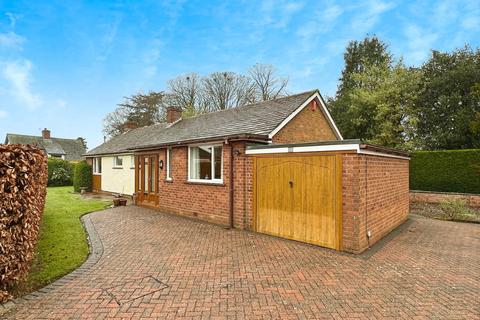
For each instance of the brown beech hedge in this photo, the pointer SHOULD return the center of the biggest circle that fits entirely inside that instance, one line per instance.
(23, 182)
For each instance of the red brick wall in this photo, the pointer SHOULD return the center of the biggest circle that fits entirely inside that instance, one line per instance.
(206, 201)
(472, 200)
(375, 198)
(307, 126)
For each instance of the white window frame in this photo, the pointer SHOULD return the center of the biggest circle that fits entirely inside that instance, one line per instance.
(212, 180)
(168, 164)
(115, 164)
(132, 162)
(95, 165)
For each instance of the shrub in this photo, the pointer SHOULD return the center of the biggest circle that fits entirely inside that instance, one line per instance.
(82, 177)
(23, 182)
(456, 209)
(60, 173)
(447, 171)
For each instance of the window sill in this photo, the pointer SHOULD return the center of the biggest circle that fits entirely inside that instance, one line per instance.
(206, 182)
(97, 173)
(169, 180)
(117, 167)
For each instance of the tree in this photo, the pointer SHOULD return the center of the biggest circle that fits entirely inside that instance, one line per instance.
(267, 85)
(448, 102)
(358, 57)
(382, 108)
(141, 109)
(185, 92)
(224, 90)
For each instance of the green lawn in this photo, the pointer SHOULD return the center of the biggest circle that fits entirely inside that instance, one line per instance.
(62, 245)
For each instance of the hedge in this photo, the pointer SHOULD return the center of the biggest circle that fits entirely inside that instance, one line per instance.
(60, 173)
(82, 176)
(446, 171)
(23, 182)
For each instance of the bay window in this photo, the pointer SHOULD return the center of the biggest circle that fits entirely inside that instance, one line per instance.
(205, 163)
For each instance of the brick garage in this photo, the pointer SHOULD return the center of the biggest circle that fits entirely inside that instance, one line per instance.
(374, 189)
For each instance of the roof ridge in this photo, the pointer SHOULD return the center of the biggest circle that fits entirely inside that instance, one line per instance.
(40, 137)
(251, 104)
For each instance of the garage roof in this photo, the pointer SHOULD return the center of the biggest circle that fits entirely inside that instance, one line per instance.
(338, 145)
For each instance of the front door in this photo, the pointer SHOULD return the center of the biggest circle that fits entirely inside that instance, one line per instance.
(146, 176)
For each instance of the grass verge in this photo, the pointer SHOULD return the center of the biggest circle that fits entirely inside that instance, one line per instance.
(62, 245)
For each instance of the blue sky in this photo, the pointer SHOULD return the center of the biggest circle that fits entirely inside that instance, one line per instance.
(65, 64)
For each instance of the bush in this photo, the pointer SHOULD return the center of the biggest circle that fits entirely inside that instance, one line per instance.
(23, 182)
(456, 209)
(446, 171)
(82, 177)
(60, 173)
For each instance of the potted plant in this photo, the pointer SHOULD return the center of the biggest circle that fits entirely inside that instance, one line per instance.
(119, 200)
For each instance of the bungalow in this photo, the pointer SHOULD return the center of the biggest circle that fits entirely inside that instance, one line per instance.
(61, 148)
(279, 167)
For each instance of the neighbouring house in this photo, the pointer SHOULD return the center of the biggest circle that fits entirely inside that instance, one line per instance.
(278, 167)
(66, 149)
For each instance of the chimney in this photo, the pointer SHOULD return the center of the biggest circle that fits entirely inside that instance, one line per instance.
(173, 114)
(46, 133)
(129, 125)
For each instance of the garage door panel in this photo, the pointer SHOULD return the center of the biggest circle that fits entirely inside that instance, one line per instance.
(296, 198)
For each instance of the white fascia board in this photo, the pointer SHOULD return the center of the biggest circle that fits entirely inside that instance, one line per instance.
(338, 147)
(267, 151)
(317, 96)
(324, 148)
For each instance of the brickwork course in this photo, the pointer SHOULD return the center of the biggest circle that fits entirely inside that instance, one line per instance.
(150, 265)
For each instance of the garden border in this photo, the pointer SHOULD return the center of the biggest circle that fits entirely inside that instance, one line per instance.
(95, 253)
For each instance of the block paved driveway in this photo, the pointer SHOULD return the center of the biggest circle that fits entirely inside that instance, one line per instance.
(159, 266)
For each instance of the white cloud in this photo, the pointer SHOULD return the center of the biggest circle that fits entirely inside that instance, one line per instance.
(331, 13)
(419, 42)
(11, 40)
(372, 13)
(19, 75)
(13, 18)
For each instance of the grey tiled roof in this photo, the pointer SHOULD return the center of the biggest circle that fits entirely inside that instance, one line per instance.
(127, 140)
(254, 119)
(72, 149)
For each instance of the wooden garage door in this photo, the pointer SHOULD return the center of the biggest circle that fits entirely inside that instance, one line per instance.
(299, 198)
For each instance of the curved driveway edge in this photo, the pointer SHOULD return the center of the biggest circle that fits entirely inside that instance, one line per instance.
(95, 253)
(160, 266)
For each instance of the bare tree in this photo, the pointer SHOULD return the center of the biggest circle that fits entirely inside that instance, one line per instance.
(185, 93)
(224, 90)
(267, 84)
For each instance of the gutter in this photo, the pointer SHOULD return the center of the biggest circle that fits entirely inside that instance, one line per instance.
(250, 137)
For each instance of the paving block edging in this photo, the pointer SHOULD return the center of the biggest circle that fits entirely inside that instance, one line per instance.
(95, 253)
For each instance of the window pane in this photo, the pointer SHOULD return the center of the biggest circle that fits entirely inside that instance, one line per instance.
(152, 180)
(118, 161)
(205, 154)
(169, 163)
(139, 173)
(201, 163)
(145, 170)
(99, 165)
(218, 162)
